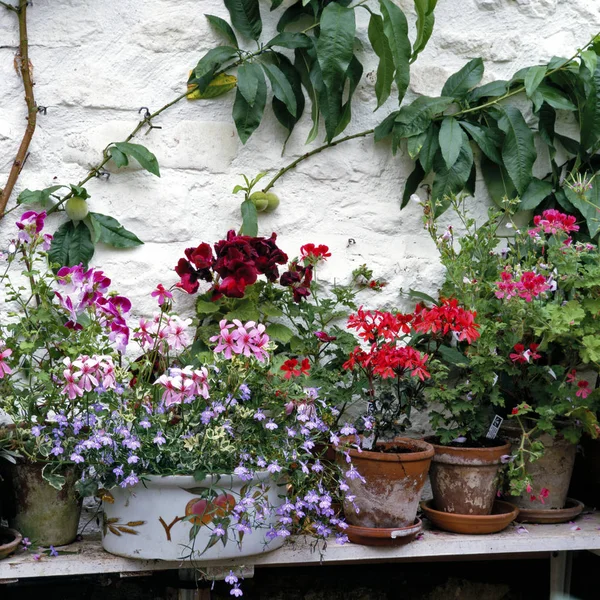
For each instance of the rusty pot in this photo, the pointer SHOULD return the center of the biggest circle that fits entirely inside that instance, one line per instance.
(464, 481)
(45, 515)
(394, 476)
(552, 471)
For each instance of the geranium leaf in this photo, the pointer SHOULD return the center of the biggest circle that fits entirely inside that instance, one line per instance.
(518, 149)
(249, 218)
(247, 118)
(451, 136)
(385, 69)
(334, 53)
(280, 332)
(109, 231)
(245, 17)
(146, 159)
(458, 85)
(395, 28)
(223, 27)
(56, 481)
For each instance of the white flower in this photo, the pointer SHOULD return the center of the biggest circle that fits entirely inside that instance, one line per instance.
(415, 198)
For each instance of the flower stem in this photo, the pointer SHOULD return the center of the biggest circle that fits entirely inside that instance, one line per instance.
(32, 108)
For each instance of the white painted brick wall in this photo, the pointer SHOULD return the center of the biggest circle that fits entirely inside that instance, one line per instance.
(96, 62)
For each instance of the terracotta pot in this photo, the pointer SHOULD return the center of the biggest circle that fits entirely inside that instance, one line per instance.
(465, 480)
(552, 471)
(9, 541)
(502, 515)
(390, 494)
(40, 512)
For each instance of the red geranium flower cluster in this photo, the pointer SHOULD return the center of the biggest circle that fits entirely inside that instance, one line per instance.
(238, 260)
(298, 278)
(312, 254)
(552, 221)
(528, 287)
(374, 324)
(522, 356)
(446, 318)
(292, 368)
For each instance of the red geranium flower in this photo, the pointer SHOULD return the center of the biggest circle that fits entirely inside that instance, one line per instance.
(292, 369)
(312, 254)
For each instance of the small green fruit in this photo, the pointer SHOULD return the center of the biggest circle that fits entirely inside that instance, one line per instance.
(260, 200)
(76, 208)
(273, 201)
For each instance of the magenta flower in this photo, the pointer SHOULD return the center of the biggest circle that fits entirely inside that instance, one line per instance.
(30, 224)
(161, 293)
(4, 368)
(173, 393)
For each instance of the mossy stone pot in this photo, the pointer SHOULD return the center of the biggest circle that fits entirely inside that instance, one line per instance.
(393, 476)
(45, 515)
(173, 517)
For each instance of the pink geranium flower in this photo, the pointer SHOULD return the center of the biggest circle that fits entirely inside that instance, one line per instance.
(161, 293)
(4, 368)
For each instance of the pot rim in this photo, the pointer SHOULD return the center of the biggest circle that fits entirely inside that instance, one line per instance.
(471, 455)
(426, 506)
(18, 537)
(189, 481)
(425, 451)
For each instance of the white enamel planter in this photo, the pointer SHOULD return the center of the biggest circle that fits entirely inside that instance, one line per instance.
(148, 521)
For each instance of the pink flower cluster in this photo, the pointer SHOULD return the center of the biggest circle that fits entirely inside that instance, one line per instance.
(552, 221)
(248, 339)
(168, 333)
(86, 374)
(528, 286)
(82, 290)
(30, 226)
(4, 368)
(184, 385)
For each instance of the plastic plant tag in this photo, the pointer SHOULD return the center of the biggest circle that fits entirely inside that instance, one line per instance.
(494, 428)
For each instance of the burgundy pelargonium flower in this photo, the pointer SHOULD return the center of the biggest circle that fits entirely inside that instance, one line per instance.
(298, 278)
(197, 267)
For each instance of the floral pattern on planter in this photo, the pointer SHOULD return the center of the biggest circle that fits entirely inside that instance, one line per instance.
(114, 525)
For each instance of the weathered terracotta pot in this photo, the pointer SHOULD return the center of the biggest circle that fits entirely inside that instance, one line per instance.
(393, 480)
(465, 480)
(172, 517)
(552, 471)
(40, 512)
(10, 539)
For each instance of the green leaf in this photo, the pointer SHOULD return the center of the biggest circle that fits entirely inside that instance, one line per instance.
(353, 75)
(453, 356)
(204, 307)
(451, 181)
(487, 140)
(291, 41)
(570, 145)
(385, 128)
(281, 87)
(109, 231)
(590, 116)
(533, 78)
(249, 76)
(547, 120)
(553, 97)
(458, 85)
(249, 219)
(416, 117)
(395, 28)
(588, 205)
(41, 197)
(283, 115)
(244, 311)
(415, 294)
(492, 89)
(223, 27)
(209, 64)
(119, 158)
(79, 191)
(292, 14)
(536, 192)
(56, 481)
(385, 69)
(334, 53)
(414, 144)
(247, 118)
(71, 245)
(146, 159)
(497, 181)
(451, 138)
(412, 184)
(430, 148)
(245, 17)
(518, 149)
(590, 60)
(425, 23)
(308, 68)
(280, 332)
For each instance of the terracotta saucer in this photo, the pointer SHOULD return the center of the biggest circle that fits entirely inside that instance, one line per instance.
(9, 541)
(554, 515)
(502, 515)
(382, 536)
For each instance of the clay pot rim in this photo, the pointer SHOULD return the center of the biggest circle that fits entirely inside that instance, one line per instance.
(571, 509)
(14, 543)
(385, 531)
(484, 455)
(508, 508)
(425, 451)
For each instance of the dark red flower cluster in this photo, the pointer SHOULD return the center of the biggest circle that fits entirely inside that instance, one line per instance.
(446, 318)
(298, 278)
(238, 260)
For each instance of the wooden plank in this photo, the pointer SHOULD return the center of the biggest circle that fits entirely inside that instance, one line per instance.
(433, 545)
